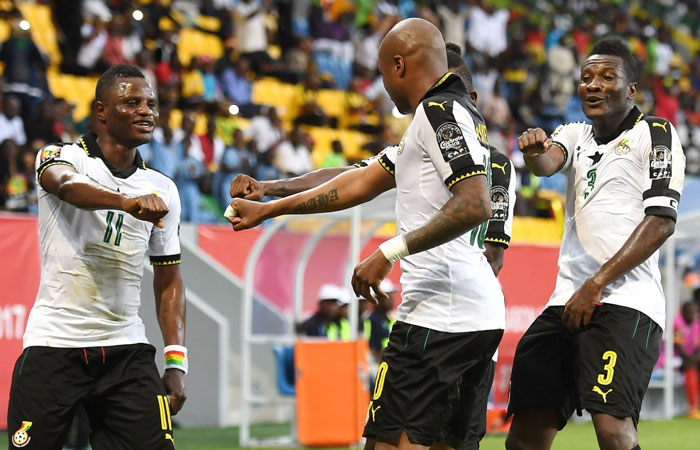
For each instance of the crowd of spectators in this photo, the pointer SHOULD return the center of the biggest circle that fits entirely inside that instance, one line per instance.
(525, 57)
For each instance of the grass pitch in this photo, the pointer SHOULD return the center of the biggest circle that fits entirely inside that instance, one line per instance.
(677, 434)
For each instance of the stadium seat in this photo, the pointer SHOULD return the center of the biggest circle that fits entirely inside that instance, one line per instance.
(272, 92)
(332, 101)
(284, 360)
(42, 29)
(197, 43)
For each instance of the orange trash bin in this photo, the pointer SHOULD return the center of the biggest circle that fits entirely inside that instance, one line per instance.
(331, 388)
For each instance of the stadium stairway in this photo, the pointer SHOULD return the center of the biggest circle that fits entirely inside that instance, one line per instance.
(213, 340)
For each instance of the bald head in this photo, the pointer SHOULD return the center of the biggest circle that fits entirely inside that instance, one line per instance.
(411, 58)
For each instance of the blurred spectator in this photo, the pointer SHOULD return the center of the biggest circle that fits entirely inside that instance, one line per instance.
(44, 127)
(212, 89)
(317, 324)
(147, 64)
(336, 157)
(264, 167)
(298, 59)
(123, 44)
(266, 130)
(64, 124)
(211, 146)
(166, 149)
(24, 70)
(292, 156)
(237, 87)
(68, 20)
(16, 186)
(11, 124)
(306, 101)
(686, 339)
(193, 81)
(236, 159)
(487, 29)
(89, 56)
(339, 328)
(496, 111)
(453, 17)
(249, 17)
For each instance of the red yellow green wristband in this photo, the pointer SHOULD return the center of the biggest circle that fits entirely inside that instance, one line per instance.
(176, 357)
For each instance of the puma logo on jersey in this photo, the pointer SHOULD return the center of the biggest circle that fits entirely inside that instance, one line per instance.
(597, 390)
(660, 125)
(497, 166)
(169, 437)
(441, 105)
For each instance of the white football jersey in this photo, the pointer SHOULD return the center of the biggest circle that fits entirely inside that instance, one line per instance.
(613, 183)
(450, 287)
(92, 261)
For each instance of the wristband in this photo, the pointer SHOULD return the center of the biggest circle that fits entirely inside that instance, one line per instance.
(395, 248)
(176, 357)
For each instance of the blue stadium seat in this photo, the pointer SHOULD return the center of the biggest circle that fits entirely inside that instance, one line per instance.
(284, 359)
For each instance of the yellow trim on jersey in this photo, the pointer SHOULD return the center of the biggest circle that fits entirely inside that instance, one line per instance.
(441, 80)
(385, 166)
(84, 145)
(165, 263)
(499, 241)
(53, 163)
(465, 176)
(641, 115)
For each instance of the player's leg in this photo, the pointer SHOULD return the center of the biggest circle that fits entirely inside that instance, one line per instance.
(130, 408)
(617, 356)
(47, 384)
(543, 387)
(614, 433)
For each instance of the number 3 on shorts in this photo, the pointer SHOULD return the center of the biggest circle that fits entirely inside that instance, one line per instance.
(611, 358)
(379, 382)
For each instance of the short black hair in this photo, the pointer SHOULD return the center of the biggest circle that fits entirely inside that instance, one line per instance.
(615, 46)
(454, 59)
(111, 75)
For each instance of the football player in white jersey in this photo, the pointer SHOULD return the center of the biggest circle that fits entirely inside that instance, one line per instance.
(100, 212)
(596, 343)
(452, 315)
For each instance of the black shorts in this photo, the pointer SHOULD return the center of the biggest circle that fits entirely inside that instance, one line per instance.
(604, 369)
(469, 398)
(119, 386)
(419, 369)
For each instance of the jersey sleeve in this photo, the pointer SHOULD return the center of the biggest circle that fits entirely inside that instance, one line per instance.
(500, 226)
(664, 169)
(54, 154)
(564, 137)
(450, 139)
(387, 158)
(366, 162)
(164, 244)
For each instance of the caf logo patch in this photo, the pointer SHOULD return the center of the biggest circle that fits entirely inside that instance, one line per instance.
(499, 203)
(50, 152)
(660, 163)
(402, 145)
(21, 437)
(623, 147)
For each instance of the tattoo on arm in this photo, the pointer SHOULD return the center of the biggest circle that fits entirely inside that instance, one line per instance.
(469, 206)
(314, 203)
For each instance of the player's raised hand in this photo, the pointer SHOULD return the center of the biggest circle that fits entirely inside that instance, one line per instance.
(174, 382)
(580, 307)
(247, 214)
(534, 141)
(247, 187)
(368, 275)
(150, 208)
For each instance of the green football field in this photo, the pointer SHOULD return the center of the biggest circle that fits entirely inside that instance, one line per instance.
(677, 434)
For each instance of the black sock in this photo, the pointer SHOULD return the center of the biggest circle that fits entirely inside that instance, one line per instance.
(637, 448)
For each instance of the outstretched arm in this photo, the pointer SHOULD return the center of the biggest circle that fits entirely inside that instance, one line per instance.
(249, 188)
(468, 207)
(79, 190)
(344, 191)
(171, 311)
(649, 235)
(542, 157)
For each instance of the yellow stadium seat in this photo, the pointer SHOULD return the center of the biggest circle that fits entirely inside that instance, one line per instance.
(4, 30)
(209, 23)
(197, 43)
(272, 92)
(332, 102)
(42, 29)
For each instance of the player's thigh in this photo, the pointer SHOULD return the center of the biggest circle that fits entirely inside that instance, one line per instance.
(132, 409)
(543, 375)
(617, 356)
(47, 385)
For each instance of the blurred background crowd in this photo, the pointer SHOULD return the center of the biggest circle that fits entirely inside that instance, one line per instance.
(276, 88)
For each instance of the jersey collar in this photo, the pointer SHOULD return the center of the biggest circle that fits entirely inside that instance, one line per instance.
(630, 121)
(449, 81)
(89, 143)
